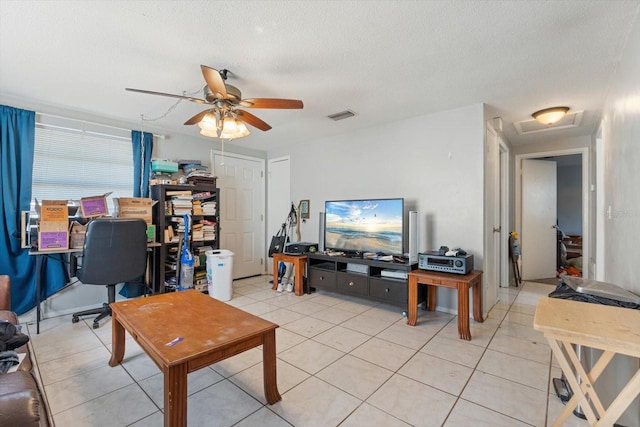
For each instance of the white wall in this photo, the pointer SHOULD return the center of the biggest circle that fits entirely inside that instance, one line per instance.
(554, 145)
(622, 168)
(435, 162)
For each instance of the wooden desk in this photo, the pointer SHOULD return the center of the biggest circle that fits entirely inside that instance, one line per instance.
(299, 263)
(460, 282)
(151, 246)
(212, 332)
(612, 329)
(62, 255)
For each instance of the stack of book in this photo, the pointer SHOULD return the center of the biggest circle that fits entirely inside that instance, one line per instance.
(197, 233)
(209, 207)
(200, 255)
(208, 229)
(181, 204)
(197, 207)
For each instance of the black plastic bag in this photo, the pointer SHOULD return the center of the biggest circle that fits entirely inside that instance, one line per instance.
(10, 338)
(564, 291)
(279, 241)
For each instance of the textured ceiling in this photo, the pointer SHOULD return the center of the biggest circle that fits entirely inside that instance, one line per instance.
(385, 60)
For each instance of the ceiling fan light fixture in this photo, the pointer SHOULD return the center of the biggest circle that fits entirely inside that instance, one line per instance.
(233, 128)
(549, 116)
(209, 123)
(209, 133)
(242, 129)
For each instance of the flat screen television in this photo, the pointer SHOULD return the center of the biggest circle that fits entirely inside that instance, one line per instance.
(375, 225)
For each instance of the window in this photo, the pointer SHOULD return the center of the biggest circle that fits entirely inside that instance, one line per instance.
(71, 163)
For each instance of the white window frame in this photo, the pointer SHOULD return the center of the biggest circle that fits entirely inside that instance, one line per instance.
(71, 162)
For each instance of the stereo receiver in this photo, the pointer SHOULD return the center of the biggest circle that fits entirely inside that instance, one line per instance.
(459, 264)
(299, 248)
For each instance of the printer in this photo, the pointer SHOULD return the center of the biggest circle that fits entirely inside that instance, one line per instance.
(299, 248)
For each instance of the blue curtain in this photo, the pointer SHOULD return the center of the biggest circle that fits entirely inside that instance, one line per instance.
(142, 149)
(17, 144)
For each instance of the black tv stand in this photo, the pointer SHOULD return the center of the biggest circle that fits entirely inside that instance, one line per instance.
(353, 255)
(360, 277)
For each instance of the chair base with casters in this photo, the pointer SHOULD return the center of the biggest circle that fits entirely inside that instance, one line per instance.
(103, 311)
(115, 251)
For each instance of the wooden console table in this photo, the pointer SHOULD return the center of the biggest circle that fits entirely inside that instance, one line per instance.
(460, 282)
(212, 332)
(611, 329)
(299, 263)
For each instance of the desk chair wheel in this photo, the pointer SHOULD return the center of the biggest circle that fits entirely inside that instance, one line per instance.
(75, 319)
(96, 325)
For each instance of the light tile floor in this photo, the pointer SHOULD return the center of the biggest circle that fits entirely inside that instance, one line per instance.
(341, 361)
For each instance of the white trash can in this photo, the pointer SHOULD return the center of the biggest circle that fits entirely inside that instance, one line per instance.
(219, 272)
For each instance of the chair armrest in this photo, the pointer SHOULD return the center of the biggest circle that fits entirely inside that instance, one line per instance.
(5, 293)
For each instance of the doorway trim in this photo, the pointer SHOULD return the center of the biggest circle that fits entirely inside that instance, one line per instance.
(586, 240)
(598, 266)
(503, 159)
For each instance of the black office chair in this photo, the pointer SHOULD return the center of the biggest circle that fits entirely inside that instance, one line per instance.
(115, 251)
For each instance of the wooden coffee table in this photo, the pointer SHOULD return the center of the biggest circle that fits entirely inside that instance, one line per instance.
(185, 331)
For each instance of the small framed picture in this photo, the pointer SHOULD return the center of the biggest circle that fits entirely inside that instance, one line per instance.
(304, 209)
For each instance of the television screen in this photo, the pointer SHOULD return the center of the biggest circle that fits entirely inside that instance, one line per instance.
(365, 225)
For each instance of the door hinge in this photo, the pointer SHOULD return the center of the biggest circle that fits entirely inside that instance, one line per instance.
(261, 261)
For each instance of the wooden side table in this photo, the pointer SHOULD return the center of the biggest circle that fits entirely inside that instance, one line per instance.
(611, 329)
(299, 263)
(460, 282)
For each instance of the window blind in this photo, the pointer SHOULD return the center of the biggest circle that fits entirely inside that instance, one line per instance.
(70, 164)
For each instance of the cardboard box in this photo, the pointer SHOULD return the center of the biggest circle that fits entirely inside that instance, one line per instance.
(77, 233)
(53, 231)
(94, 206)
(134, 207)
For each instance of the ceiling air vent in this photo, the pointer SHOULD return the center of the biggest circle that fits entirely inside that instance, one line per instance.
(571, 120)
(342, 115)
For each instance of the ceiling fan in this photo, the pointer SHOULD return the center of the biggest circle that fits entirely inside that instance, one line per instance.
(224, 119)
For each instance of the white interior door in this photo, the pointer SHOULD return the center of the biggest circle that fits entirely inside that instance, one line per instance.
(241, 183)
(279, 198)
(539, 216)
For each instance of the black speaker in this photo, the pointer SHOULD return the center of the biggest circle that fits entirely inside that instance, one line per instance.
(321, 233)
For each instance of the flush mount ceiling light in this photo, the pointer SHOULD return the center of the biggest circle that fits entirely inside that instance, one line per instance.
(549, 116)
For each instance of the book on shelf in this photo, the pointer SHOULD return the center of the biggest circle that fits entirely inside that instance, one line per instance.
(202, 195)
(179, 193)
(202, 249)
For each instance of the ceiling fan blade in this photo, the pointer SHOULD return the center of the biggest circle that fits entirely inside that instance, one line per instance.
(271, 103)
(253, 120)
(214, 81)
(150, 92)
(195, 119)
